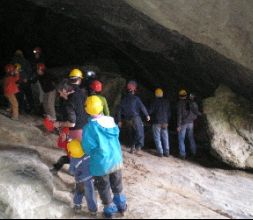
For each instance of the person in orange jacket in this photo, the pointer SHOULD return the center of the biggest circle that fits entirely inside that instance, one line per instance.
(11, 88)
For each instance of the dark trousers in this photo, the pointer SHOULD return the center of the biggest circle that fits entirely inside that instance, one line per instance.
(61, 162)
(105, 184)
(25, 97)
(135, 132)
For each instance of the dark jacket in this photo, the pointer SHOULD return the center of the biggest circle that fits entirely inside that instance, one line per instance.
(131, 106)
(74, 109)
(34, 63)
(187, 112)
(80, 168)
(26, 70)
(160, 110)
(47, 82)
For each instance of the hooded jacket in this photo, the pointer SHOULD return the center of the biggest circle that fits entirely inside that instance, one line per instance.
(101, 143)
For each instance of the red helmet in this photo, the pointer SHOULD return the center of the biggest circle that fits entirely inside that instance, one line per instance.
(37, 50)
(132, 86)
(41, 67)
(9, 68)
(96, 86)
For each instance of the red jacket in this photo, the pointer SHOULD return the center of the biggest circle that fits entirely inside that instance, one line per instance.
(10, 85)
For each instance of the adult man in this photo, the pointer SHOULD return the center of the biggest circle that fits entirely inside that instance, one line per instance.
(130, 110)
(161, 113)
(186, 115)
(74, 116)
(24, 82)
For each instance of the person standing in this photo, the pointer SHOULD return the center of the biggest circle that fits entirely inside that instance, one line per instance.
(24, 82)
(96, 89)
(161, 113)
(80, 169)
(101, 143)
(130, 110)
(11, 89)
(47, 83)
(74, 116)
(36, 87)
(186, 116)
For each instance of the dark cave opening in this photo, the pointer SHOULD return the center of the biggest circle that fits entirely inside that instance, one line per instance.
(67, 40)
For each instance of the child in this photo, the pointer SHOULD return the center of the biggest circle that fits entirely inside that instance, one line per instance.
(11, 88)
(101, 142)
(96, 89)
(79, 167)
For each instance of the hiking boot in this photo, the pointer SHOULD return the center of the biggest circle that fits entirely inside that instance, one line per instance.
(110, 210)
(166, 155)
(53, 171)
(160, 155)
(77, 209)
(139, 151)
(182, 157)
(132, 150)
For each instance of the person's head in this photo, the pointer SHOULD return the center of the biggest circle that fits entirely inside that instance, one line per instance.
(18, 68)
(37, 52)
(19, 53)
(65, 88)
(91, 74)
(76, 76)
(75, 149)
(41, 68)
(96, 86)
(10, 69)
(94, 106)
(183, 94)
(132, 87)
(159, 93)
(192, 96)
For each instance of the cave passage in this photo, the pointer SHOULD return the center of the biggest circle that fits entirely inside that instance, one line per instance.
(68, 40)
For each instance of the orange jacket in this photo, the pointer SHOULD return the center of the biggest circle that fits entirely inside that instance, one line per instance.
(10, 85)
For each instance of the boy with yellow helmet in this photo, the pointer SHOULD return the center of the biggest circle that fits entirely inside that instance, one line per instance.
(80, 168)
(101, 142)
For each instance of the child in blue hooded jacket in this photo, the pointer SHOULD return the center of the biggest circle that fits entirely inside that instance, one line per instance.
(101, 143)
(80, 168)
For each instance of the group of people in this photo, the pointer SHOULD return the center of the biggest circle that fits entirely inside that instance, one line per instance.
(89, 135)
(21, 76)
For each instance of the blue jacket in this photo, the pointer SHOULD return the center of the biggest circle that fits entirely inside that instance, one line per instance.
(101, 142)
(80, 168)
(160, 110)
(131, 106)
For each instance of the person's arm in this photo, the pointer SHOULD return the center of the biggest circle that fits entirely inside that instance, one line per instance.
(71, 122)
(143, 109)
(89, 142)
(169, 112)
(72, 168)
(106, 107)
(179, 117)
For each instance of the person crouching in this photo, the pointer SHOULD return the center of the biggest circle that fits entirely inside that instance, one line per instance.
(101, 142)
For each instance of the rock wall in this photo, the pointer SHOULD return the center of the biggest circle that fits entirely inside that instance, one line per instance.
(230, 122)
(224, 25)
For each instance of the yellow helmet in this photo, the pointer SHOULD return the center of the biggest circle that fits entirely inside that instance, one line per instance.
(75, 149)
(159, 93)
(182, 93)
(93, 105)
(18, 66)
(76, 73)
